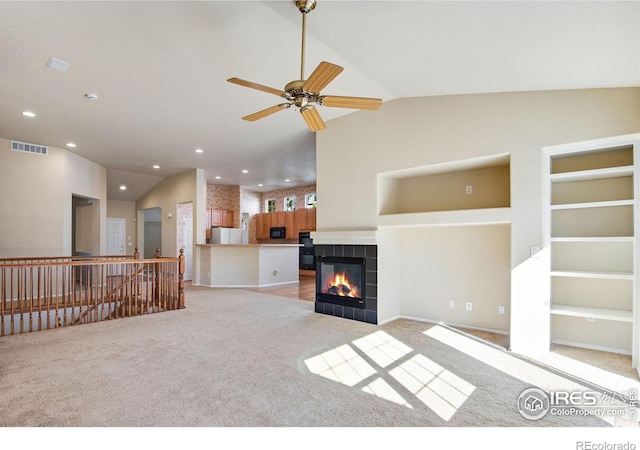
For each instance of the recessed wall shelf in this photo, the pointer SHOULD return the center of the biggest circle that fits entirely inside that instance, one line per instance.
(467, 192)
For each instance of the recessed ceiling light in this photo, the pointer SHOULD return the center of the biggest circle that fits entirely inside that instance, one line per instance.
(28, 114)
(287, 180)
(199, 150)
(155, 166)
(123, 188)
(245, 171)
(218, 178)
(71, 145)
(91, 96)
(260, 185)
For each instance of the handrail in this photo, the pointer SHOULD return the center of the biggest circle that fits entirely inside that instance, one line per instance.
(109, 295)
(51, 292)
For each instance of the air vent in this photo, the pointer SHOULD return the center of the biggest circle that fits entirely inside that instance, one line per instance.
(29, 148)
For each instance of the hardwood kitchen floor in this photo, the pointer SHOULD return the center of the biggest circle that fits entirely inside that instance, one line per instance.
(304, 290)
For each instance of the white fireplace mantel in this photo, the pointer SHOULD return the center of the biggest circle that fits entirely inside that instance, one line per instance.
(345, 237)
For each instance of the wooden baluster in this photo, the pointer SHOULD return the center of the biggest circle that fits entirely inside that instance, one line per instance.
(181, 266)
(156, 283)
(3, 300)
(20, 301)
(11, 292)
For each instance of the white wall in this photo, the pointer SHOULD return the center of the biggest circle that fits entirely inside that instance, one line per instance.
(417, 132)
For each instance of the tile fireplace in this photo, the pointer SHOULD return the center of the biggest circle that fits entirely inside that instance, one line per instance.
(347, 281)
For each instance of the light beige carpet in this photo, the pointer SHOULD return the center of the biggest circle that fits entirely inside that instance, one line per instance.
(235, 358)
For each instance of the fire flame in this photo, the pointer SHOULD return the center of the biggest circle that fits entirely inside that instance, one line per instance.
(340, 286)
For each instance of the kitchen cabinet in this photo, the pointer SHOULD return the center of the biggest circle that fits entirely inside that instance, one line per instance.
(263, 224)
(277, 219)
(311, 214)
(219, 218)
(294, 221)
(227, 218)
(289, 223)
(260, 226)
(305, 219)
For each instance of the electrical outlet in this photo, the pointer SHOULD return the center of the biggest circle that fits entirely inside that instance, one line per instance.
(501, 309)
(468, 190)
(452, 304)
(469, 306)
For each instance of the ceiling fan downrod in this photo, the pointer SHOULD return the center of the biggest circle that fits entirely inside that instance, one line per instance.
(305, 6)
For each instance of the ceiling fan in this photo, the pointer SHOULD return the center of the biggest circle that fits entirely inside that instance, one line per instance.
(305, 94)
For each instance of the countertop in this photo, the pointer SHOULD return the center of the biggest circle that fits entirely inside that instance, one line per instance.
(248, 245)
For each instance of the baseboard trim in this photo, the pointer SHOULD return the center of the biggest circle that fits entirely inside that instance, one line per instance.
(439, 322)
(247, 286)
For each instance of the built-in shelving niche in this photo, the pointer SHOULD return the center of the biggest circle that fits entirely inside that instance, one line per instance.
(471, 191)
(591, 232)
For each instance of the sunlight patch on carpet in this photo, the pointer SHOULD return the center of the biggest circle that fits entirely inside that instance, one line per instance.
(415, 375)
(439, 389)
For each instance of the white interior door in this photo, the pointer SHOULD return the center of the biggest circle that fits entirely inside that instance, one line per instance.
(116, 237)
(187, 240)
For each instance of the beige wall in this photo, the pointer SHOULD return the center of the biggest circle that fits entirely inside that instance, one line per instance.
(417, 132)
(37, 211)
(118, 209)
(185, 187)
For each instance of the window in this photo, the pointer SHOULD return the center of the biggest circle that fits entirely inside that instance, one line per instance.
(290, 203)
(270, 205)
(310, 200)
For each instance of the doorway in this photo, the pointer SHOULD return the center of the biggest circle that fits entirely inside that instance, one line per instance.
(152, 219)
(185, 237)
(85, 226)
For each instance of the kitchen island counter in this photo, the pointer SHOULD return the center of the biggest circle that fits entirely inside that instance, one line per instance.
(247, 265)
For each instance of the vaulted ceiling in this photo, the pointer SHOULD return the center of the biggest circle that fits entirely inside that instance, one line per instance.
(159, 72)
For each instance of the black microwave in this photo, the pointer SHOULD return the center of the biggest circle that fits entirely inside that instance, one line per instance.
(277, 233)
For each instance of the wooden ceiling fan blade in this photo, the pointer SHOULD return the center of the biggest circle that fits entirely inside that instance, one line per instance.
(336, 101)
(257, 86)
(266, 112)
(322, 76)
(313, 119)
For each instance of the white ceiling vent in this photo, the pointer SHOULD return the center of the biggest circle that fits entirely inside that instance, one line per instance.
(29, 148)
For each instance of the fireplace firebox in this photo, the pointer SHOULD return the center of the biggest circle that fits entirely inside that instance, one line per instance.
(340, 281)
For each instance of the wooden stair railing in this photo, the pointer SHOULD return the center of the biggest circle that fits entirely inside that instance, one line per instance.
(44, 293)
(107, 298)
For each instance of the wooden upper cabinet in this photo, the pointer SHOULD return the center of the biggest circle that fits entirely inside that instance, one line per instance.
(220, 218)
(216, 217)
(290, 225)
(294, 221)
(266, 226)
(277, 219)
(302, 220)
(260, 226)
(311, 215)
(227, 218)
(306, 219)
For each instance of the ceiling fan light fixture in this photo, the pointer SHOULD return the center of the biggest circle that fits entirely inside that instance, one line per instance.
(306, 6)
(305, 93)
